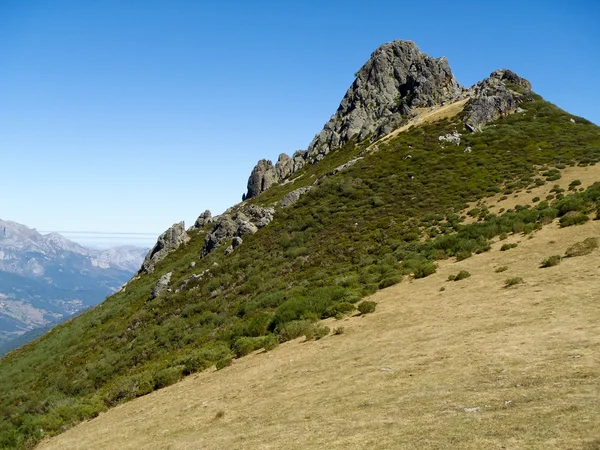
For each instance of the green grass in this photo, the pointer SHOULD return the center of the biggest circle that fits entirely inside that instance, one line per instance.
(383, 219)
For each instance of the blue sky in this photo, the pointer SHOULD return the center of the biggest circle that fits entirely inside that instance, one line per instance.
(127, 116)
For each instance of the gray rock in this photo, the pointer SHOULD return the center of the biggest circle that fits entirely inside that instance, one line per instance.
(167, 242)
(161, 285)
(345, 165)
(246, 220)
(452, 138)
(397, 78)
(292, 197)
(203, 219)
(236, 242)
(263, 176)
(492, 99)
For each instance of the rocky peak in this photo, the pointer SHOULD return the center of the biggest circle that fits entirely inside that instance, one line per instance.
(397, 78)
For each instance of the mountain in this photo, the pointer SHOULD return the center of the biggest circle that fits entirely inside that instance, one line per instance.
(45, 279)
(413, 175)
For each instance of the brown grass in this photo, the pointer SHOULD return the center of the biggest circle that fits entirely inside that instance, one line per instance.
(476, 366)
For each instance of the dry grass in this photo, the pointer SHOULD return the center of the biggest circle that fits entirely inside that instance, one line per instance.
(425, 115)
(476, 366)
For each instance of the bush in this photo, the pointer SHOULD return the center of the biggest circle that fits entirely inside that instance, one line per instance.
(294, 329)
(550, 261)
(317, 331)
(168, 376)
(224, 362)
(366, 307)
(501, 269)
(513, 281)
(245, 345)
(582, 248)
(569, 220)
(507, 247)
(462, 275)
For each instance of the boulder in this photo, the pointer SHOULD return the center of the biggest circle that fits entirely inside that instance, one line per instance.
(292, 197)
(263, 176)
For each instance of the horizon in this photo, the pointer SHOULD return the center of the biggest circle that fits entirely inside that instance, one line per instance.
(136, 116)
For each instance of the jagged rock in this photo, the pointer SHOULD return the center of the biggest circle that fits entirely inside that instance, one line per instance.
(284, 166)
(203, 219)
(259, 215)
(453, 138)
(229, 249)
(397, 78)
(161, 285)
(292, 197)
(167, 242)
(345, 165)
(491, 99)
(468, 150)
(236, 242)
(224, 228)
(263, 176)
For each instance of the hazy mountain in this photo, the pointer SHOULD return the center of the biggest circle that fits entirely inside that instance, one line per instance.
(45, 278)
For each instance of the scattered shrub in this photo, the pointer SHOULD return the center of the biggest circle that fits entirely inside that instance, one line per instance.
(513, 281)
(550, 261)
(366, 307)
(576, 219)
(501, 269)
(317, 331)
(462, 275)
(582, 248)
(508, 247)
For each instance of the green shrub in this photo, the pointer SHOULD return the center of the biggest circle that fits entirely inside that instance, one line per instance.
(535, 199)
(168, 376)
(294, 329)
(582, 248)
(390, 281)
(224, 362)
(569, 220)
(462, 275)
(501, 269)
(550, 261)
(317, 331)
(513, 281)
(508, 247)
(574, 184)
(366, 307)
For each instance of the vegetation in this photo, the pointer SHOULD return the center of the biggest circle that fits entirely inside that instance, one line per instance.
(501, 269)
(366, 307)
(551, 261)
(385, 218)
(513, 281)
(459, 276)
(582, 248)
(508, 247)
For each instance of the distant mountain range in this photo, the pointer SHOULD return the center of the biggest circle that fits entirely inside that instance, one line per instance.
(46, 278)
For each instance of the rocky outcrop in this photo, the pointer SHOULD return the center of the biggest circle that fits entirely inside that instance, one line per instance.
(292, 197)
(203, 219)
(167, 242)
(161, 285)
(265, 174)
(245, 221)
(397, 78)
(492, 99)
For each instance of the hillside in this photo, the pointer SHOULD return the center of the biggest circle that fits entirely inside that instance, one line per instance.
(362, 209)
(475, 365)
(46, 278)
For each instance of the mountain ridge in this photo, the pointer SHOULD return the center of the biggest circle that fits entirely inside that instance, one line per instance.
(358, 220)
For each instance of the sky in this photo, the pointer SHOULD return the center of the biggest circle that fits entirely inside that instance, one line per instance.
(122, 117)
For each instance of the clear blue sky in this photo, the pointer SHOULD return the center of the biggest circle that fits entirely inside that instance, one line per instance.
(130, 115)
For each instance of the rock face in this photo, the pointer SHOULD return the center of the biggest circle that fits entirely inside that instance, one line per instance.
(161, 285)
(491, 99)
(397, 78)
(229, 226)
(292, 197)
(167, 242)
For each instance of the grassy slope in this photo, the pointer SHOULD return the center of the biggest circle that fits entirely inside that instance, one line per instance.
(406, 375)
(358, 231)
